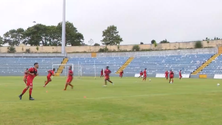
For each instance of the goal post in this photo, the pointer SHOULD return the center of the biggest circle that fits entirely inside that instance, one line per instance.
(77, 69)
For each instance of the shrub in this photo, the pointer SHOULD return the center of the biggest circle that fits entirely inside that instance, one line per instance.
(155, 44)
(37, 48)
(136, 48)
(27, 51)
(11, 49)
(198, 44)
(103, 49)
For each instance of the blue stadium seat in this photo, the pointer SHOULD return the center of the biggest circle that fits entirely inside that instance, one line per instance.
(16, 66)
(214, 68)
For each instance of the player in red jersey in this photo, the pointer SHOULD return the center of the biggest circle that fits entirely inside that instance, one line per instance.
(50, 73)
(121, 74)
(144, 75)
(25, 76)
(171, 76)
(180, 75)
(69, 78)
(166, 75)
(107, 72)
(101, 74)
(32, 73)
(141, 74)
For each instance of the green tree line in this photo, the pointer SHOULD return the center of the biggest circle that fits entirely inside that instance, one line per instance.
(44, 35)
(40, 34)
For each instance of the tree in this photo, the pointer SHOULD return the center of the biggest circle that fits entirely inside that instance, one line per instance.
(73, 37)
(14, 37)
(96, 44)
(153, 41)
(34, 35)
(111, 36)
(42, 35)
(54, 36)
(164, 41)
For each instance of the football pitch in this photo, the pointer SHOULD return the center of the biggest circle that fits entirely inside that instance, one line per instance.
(129, 102)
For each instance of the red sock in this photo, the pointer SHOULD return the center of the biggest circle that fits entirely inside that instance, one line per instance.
(30, 91)
(23, 92)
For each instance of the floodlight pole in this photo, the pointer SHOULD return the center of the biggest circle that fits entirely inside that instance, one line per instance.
(64, 27)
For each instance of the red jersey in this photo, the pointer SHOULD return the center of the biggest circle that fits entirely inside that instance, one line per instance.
(32, 70)
(141, 73)
(121, 73)
(50, 73)
(107, 72)
(26, 73)
(144, 73)
(171, 74)
(166, 73)
(101, 72)
(70, 75)
(180, 73)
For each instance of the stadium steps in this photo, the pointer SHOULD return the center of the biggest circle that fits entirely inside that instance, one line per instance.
(61, 67)
(205, 64)
(125, 65)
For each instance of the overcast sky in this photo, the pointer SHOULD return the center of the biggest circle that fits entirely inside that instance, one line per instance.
(137, 20)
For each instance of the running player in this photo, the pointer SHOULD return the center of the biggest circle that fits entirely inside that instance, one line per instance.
(166, 75)
(171, 76)
(25, 75)
(32, 73)
(121, 74)
(141, 74)
(180, 75)
(107, 72)
(69, 78)
(50, 73)
(101, 74)
(144, 74)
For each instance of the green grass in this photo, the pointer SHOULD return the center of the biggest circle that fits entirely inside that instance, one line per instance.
(129, 102)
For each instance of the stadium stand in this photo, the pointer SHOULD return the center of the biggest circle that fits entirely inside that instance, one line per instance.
(155, 62)
(15, 66)
(214, 68)
(159, 64)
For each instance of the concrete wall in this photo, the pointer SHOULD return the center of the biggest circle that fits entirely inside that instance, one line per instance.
(73, 49)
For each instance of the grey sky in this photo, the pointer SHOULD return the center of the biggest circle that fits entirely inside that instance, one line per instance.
(137, 20)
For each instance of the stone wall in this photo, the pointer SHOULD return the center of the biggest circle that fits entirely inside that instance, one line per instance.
(79, 49)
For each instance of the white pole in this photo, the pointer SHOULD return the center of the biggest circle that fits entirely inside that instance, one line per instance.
(64, 27)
